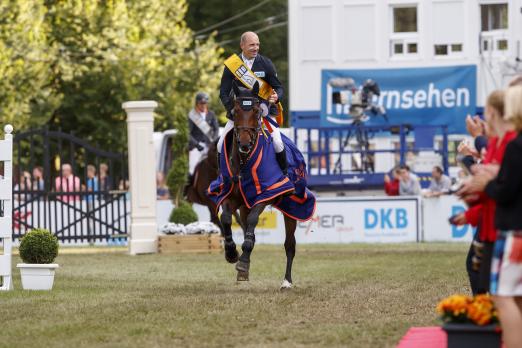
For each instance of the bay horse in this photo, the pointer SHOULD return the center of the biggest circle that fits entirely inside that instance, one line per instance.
(247, 129)
(205, 172)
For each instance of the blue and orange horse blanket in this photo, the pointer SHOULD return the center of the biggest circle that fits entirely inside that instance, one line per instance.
(260, 179)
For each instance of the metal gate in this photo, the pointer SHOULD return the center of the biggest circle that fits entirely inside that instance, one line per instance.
(62, 183)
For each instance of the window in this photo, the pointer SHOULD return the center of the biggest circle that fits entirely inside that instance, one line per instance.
(448, 49)
(441, 50)
(404, 36)
(494, 16)
(405, 19)
(502, 45)
(494, 25)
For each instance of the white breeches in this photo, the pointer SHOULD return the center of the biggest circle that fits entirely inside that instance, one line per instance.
(276, 136)
(195, 156)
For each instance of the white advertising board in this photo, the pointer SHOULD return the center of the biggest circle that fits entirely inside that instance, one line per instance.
(337, 220)
(436, 212)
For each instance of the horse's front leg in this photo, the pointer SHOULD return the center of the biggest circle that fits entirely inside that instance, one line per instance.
(252, 219)
(231, 254)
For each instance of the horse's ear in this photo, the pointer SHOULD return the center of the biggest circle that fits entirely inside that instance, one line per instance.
(235, 88)
(255, 89)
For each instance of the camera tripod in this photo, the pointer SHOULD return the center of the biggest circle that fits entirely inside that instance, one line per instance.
(361, 136)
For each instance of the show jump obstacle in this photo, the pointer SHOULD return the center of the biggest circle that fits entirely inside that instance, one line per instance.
(6, 209)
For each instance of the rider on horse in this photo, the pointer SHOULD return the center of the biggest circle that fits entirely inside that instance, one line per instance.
(203, 130)
(264, 69)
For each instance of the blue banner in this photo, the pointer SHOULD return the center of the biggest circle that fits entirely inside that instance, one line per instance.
(416, 96)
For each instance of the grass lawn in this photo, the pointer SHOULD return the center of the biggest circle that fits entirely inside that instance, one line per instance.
(344, 295)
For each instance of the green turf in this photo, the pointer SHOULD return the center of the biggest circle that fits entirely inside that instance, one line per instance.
(349, 295)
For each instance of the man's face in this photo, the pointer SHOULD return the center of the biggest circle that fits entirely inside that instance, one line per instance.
(405, 175)
(250, 46)
(91, 173)
(201, 106)
(435, 174)
(66, 170)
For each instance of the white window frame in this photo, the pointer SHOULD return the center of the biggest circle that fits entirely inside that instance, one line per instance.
(404, 38)
(451, 54)
(496, 35)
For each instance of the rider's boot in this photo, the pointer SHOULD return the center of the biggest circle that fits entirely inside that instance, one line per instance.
(282, 161)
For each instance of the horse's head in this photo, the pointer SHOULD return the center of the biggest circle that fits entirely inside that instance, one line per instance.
(247, 117)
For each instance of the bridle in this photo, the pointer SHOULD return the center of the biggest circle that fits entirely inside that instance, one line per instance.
(247, 104)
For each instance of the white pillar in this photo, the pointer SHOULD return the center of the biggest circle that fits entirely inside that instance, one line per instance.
(6, 195)
(142, 175)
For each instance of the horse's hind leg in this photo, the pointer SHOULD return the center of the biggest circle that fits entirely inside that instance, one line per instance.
(231, 254)
(252, 219)
(290, 226)
(215, 219)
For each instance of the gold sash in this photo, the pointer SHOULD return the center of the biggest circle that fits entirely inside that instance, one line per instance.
(239, 69)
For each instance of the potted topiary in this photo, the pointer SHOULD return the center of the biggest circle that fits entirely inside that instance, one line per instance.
(38, 249)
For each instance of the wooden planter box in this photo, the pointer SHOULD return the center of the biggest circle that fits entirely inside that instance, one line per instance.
(195, 243)
(472, 336)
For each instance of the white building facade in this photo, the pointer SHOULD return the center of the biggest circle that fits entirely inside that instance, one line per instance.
(412, 35)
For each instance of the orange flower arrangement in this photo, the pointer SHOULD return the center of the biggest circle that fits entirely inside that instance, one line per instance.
(478, 310)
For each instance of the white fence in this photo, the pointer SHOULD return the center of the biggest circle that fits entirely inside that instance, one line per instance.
(6, 183)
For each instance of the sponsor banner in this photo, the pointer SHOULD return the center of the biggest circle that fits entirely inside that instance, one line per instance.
(336, 220)
(358, 219)
(436, 213)
(416, 96)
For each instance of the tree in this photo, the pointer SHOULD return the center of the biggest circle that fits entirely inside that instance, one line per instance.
(268, 18)
(26, 95)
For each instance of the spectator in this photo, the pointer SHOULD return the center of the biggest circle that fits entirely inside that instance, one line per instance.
(391, 186)
(409, 183)
(67, 182)
(22, 188)
(482, 211)
(505, 187)
(105, 179)
(440, 183)
(38, 181)
(92, 183)
(162, 191)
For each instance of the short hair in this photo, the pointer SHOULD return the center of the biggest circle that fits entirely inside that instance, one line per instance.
(513, 101)
(496, 101)
(404, 166)
(438, 169)
(244, 36)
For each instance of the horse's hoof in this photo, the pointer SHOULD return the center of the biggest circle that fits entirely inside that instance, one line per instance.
(242, 276)
(232, 258)
(231, 254)
(242, 266)
(286, 285)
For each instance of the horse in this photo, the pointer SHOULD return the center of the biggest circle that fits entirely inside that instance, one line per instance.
(205, 172)
(247, 130)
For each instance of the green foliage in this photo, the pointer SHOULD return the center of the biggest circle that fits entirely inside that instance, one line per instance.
(269, 21)
(183, 214)
(39, 246)
(71, 64)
